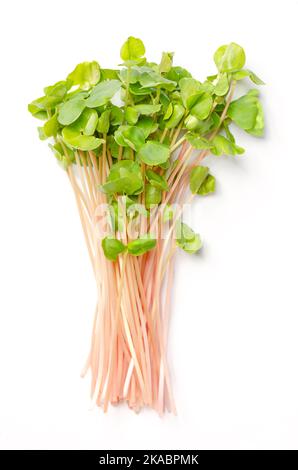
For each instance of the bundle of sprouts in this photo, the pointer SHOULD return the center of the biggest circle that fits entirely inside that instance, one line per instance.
(132, 141)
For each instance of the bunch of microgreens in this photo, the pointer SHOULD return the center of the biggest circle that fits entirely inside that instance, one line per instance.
(132, 141)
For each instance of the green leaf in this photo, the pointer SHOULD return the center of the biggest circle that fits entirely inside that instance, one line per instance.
(208, 186)
(109, 74)
(202, 106)
(166, 62)
(87, 121)
(153, 153)
(208, 87)
(154, 79)
(102, 93)
(85, 75)
(222, 85)
(62, 159)
(169, 111)
(59, 89)
(41, 133)
(229, 58)
(189, 88)
(258, 128)
(70, 111)
(51, 127)
(191, 122)
(137, 90)
(198, 142)
(132, 49)
(229, 134)
(112, 248)
(117, 115)
(240, 74)
(79, 135)
(255, 79)
(176, 116)
(153, 195)
(37, 110)
(135, 209)
(197, 177)
(42, 104)
(116, 218)
(157, 180)
(166, 165)
(131, 75)
(54, 94)
(176, 73)
(147, 125)
(131, 115)
(113, 146)
(141, 245)
(168, 213)
(187, 239)
(76, 95)
(201, 127)
(244, 110)
(103, 123)
(223, 146)
(247, 113)
(75, 139)
(147, 109)
(130, 136)
(125, 177)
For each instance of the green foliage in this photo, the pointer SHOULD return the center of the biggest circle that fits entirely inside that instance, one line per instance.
(187, 239)
(125, 177)
(51, 127)
(112, 248)
(88, 121)
(223, 146)
(166, 62)
(147, 109)
(168, 213)
(198, 142)
(70, 111)
(177, 113)
(154, 153)
(189, 89)
(197, 177)
(85, 75)
(229, 58)
(202, 106)
(132, 49)
(208, 186)
(147, 125)
(130, 136)
(240, 74)
(222, 85)
(153, 195)
(156, 180)
(63, 160)
(141, 245)
(102, 93)
(176, 73)
(74, 138)
(103, 123)
(131, 115)
(135, 119)
(247, 113)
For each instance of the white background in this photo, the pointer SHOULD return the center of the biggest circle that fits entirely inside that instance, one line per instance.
(234, 348)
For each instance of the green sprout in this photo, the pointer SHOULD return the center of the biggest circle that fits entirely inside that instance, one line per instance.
(132, 141)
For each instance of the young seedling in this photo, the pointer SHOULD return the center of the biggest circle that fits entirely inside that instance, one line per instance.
(132, 141)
